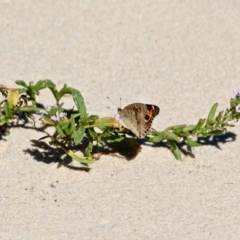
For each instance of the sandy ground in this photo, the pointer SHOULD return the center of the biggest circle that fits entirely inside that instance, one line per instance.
(180, 55)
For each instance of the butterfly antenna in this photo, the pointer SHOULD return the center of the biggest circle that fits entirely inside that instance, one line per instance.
(112, 102)
(115, 105)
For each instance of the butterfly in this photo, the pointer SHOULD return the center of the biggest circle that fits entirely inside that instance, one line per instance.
(138, 117)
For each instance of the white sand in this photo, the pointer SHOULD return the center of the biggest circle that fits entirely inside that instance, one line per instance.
(180, 55)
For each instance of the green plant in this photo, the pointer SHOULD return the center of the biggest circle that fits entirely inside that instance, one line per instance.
(77, 127)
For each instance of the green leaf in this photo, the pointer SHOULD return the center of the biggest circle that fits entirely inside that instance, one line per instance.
(175, 150)
(21, 83)
(79, 102)
(107, 132)
(188, 128)
(177, 127)
(202, 132)
(3, 120)
(192, 143)
(65, 90)
(212, 113)
(215, 133)
(29, 109)
(60, 131)
(115, 138)
(72, 125)
(7, 110)
(92, 133)
(180, 133)
(172, 136)
(41, 84)
(201, 122)
(158, 137)
(81, 159)
(91, 118)
(104, 122)
(88, 150)
(220, 115)
(52, 87)
(88, 121)
(78, 135)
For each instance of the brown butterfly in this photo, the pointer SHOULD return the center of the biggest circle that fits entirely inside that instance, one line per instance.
(138, 117)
